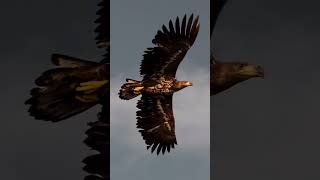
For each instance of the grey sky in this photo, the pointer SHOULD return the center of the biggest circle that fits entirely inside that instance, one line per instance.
(269, 128)
(33, 30)
(133, 26)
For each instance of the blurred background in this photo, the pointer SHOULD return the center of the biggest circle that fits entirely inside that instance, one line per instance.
(268, 128)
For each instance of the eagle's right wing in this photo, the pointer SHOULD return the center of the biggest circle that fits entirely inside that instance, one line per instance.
(103, 29)
(156, 122)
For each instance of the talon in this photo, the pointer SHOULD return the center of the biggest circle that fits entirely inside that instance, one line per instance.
(137, 90)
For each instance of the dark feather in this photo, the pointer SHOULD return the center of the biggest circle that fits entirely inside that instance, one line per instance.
(170, 48)
(103, 21)
(97, 164)
(98, 138)
(103, 29)
(54, 100)
(152, 117)
(215, 9)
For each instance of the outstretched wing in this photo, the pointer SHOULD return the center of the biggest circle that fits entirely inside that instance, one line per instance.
(103, 28)
(98, 135)
(171, 45)
(215, 9)
(98, 138)
(156, 122)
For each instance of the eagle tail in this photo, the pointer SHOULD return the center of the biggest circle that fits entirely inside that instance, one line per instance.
(131, 89)
(55, 98)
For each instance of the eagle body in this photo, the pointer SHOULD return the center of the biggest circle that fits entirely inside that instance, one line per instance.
(152, 86)
(155, 119)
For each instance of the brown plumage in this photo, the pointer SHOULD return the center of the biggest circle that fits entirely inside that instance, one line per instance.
(228, 74)
(158, 69)
(224, 75)
(55, 97)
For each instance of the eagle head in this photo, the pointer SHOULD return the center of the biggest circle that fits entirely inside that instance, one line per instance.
(182, 84)
(246, 71)
(227, 74)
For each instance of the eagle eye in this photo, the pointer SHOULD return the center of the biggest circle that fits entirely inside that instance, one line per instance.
(242, 65)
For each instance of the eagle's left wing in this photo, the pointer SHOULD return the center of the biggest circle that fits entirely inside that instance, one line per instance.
(156, 122)
(171, 45)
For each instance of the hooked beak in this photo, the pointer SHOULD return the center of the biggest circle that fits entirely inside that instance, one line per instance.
(189, 84)
(251, 71)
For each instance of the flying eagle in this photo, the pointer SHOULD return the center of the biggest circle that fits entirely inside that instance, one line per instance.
(76, 85)
(155, 119)
(224, 75)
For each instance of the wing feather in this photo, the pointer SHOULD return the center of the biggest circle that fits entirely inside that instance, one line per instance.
(103, 29)
(178, 29)
(215, 9)
(156, 122)
(171, 45)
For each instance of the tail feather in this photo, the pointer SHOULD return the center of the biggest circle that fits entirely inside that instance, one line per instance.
(55, 98)
(54, 106)
(127, 90)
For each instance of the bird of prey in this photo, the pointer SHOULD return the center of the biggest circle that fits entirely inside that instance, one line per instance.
(224, 75)
(155, 119)
(76, 85)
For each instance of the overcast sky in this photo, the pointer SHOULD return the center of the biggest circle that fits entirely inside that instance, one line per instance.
(133, 26)
(269, 128)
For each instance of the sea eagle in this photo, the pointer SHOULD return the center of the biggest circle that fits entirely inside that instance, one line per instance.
(76, 85)
(155, 119)
(224, 75)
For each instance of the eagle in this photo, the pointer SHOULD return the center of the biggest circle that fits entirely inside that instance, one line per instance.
(75, 85)
(224, 75)
(155, 119)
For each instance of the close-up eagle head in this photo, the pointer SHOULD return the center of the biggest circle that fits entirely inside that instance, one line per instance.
(227, 74)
